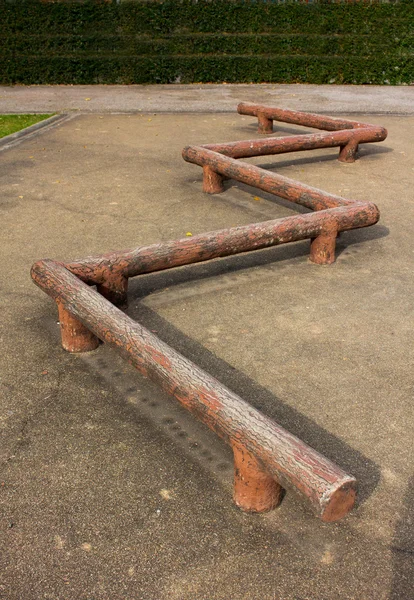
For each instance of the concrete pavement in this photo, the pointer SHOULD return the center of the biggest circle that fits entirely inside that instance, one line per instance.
(372, 99)
(108, 490)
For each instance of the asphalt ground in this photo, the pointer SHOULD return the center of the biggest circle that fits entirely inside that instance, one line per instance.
(206, 98)
(111, 491)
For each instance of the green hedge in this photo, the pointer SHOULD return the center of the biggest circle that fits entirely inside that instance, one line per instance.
(220, 44)
(206, 41)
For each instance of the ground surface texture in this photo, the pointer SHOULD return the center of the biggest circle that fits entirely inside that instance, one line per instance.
(108, 490)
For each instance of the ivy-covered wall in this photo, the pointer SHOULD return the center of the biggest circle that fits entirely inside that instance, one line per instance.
(192, 41)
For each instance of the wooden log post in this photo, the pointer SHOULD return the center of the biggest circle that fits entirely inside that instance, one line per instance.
(348, 152)
(212, 181)
(114, 288)
(74, 335)
(265, 123)
(254, 489)
(323, 246)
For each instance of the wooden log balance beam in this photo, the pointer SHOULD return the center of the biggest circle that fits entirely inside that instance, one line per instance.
(348, 150)
(267, 458)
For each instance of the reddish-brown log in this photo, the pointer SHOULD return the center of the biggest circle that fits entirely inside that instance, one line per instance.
(254, 489)
(212, 181)
(323, 246)
(276, 184)
(265, 124)
(298, 143)
(75, 336)
(348, 152)
(293, 464)
(226, 242)
(114, 287)
(266, 456)
(299, 118)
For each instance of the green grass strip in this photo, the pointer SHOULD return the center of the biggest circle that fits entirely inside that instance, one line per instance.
(12, 123)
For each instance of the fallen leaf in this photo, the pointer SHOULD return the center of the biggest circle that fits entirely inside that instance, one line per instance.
(188, 234)
(166, 494)
(327, 558)
(87, 99)
(87, 547)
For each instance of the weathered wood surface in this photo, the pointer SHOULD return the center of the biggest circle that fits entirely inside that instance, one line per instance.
(297, 143)
(293, 464)
(116, 267)
(303, 118)
(267, 458)
(276, 184)
(110, 272)
(75, 336)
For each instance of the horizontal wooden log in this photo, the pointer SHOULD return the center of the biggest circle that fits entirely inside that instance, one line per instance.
(303, 118)
(276, 184)
(297, 143)
(117, 266)
(293, 464)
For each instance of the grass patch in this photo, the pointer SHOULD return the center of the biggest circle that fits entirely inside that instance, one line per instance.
(12, 123)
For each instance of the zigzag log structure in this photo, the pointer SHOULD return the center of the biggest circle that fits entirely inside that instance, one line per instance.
(267, 458)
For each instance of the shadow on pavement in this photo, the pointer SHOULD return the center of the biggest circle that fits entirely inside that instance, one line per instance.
(365, 470)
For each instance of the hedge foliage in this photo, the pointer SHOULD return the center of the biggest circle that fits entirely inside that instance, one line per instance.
(206, 41)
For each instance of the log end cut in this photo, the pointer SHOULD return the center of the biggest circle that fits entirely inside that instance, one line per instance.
(340, 502)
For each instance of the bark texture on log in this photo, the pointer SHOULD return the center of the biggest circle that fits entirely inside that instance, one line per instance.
(302, 118)
(75, 336)
(293, 464)
(267, 458)
(298, 143)
(254, 489)
(276, 184)
(119, 266)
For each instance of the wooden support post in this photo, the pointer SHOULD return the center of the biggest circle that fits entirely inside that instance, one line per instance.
(323, 246)
(75, 336)
(348, 152)
(254, 489)
(265, 124)
(212, 181)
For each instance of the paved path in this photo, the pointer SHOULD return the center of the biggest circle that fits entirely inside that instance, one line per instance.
(109, 491)
(205, 98)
